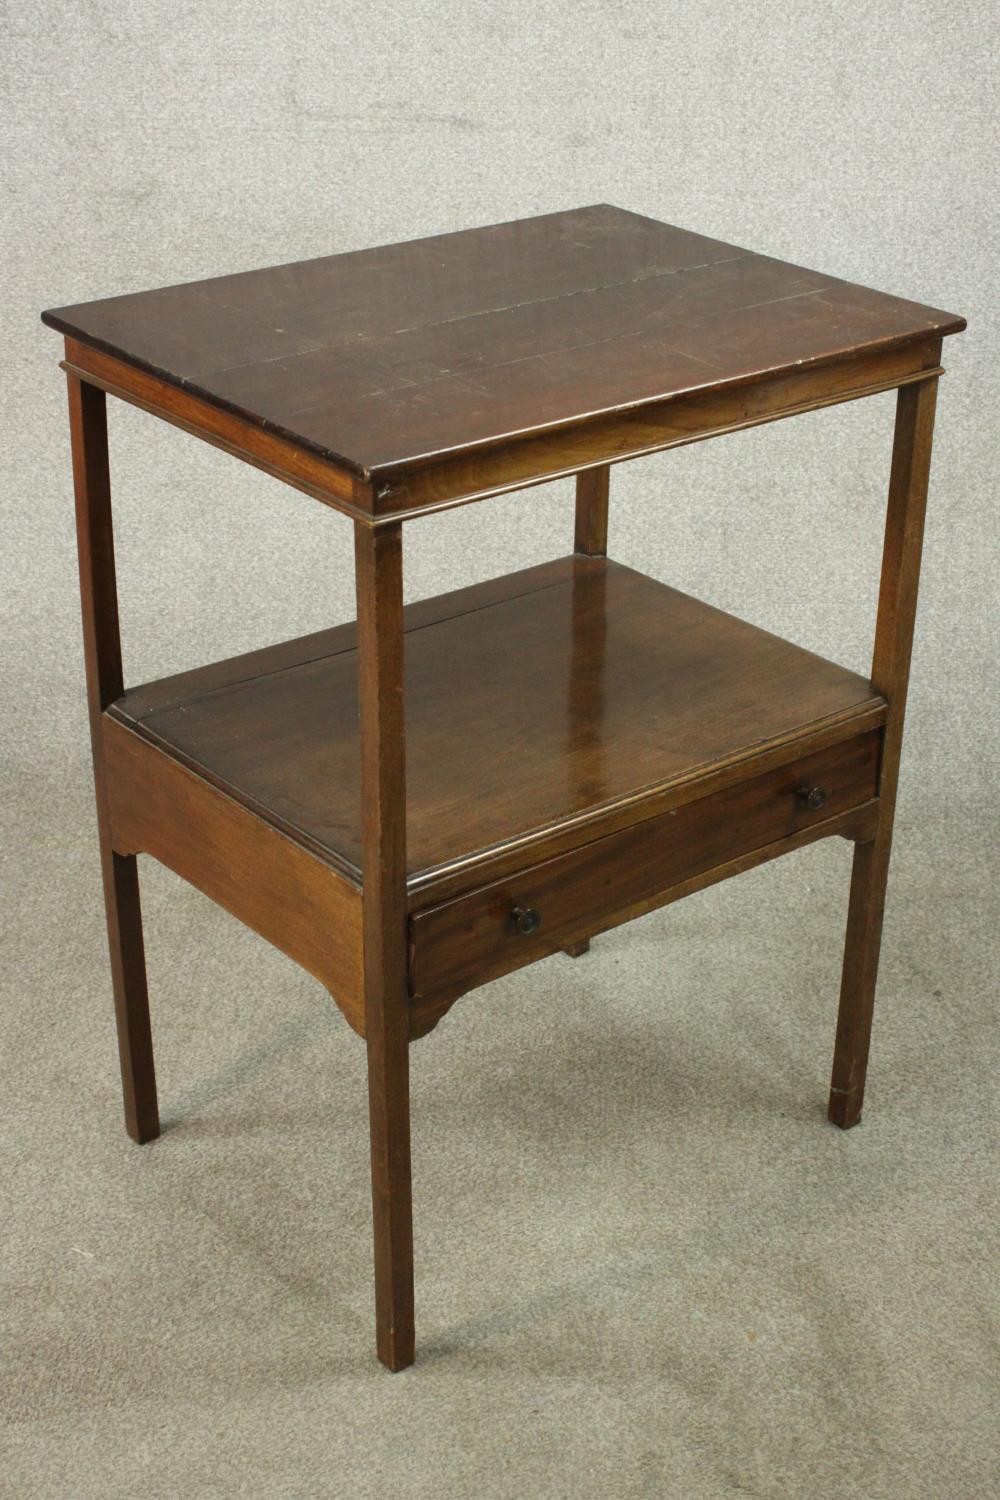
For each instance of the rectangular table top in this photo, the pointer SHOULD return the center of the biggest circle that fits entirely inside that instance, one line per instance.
(378, 359)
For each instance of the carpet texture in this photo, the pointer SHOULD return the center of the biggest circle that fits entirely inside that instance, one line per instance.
(646, 1266)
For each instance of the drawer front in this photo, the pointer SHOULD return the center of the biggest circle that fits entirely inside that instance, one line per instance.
(476, 937)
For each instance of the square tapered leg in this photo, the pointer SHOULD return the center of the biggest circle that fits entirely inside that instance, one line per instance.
(378, 555)
(911, 456)
(102, 656)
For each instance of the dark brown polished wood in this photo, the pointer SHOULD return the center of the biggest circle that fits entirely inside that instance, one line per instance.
(565, 748)
(897, 606)
(103, 663)
(379, 568)
(471, 939)
(398, 379)
(591, 697)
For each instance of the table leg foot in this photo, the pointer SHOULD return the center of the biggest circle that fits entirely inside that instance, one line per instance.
(392, 1200)
(857, 993)
(845, 1109)
(128, 972)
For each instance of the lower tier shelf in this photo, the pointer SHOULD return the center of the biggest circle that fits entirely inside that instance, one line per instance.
(581, 742)
(541, 708)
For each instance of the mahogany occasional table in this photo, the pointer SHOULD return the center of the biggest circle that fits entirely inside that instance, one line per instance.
(582, 744)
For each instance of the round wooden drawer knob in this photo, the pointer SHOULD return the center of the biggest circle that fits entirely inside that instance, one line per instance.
(526, 920)
(811, 797)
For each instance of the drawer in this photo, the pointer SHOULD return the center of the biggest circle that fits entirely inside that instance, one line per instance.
(539, 910)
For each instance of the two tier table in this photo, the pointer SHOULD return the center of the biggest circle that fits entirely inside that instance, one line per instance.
(426, 799)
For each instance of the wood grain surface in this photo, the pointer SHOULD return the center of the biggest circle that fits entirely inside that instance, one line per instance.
(382, 359)
(278, 889)
(533, 722)
(472, 939)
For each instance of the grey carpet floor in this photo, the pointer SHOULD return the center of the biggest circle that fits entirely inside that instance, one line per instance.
(646, 1266)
